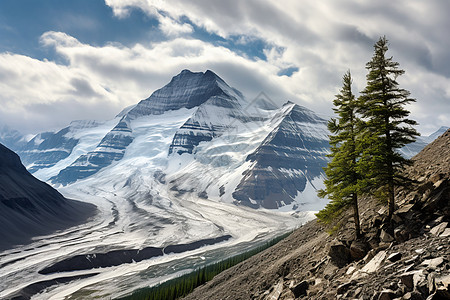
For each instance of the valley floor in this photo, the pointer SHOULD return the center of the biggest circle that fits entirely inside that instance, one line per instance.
(123, 224)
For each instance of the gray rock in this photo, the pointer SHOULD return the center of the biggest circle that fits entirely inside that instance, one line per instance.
(386, 237)
(339, 254)
(344, 288)
(446, 233)
(438, 229)
(434, 262)
(277, 290)
(401, 234)
(431, 278)
(300, 289)
(374, 263)
(410, 279)
(442, 287)
(358, 250)
(404, 210)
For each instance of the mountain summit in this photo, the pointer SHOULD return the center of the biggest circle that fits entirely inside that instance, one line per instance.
(185, 90)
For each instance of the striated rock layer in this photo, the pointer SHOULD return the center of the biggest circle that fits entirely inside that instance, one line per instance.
(292, 154)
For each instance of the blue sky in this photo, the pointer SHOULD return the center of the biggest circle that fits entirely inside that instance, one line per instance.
(62, 60)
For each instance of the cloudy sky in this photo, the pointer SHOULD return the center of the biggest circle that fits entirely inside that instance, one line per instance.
(62, 60)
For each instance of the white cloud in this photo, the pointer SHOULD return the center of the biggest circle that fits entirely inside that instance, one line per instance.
(322, 39)
(97, 82)
(325, 38)
(172, 28)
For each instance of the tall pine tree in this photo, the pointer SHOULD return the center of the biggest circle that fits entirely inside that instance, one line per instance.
(381, 105)
(341, 184)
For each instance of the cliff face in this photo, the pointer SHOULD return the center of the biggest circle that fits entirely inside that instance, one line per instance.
(406, 260)
(292, 154)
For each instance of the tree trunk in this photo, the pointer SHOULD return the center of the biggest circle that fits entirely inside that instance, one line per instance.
(391, 199)
(356, 216)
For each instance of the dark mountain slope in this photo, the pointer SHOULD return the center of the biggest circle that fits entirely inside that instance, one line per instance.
(29, 207)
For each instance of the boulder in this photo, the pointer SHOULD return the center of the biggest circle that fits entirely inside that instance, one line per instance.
(435, 178)
(446, 233)
(433, 262)
(431, 278)
(404, 210)
(374, 263)
(401, 234)
(343, 288)
(339, 254)
(442, 286)
(277, 290)
(438, 229)
(358, 249)
(386, 237)
(410, 279)
(300, 289)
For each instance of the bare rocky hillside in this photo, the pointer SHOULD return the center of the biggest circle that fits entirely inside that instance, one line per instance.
(407, 259)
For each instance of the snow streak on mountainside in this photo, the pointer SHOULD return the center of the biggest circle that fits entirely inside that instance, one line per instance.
(266, 163)
(111, 148)
(212, 118)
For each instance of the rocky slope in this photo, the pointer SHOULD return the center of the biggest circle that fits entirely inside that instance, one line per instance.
(409, 259)
(29, 207)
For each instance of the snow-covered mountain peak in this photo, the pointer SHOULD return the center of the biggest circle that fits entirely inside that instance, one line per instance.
(185, 90)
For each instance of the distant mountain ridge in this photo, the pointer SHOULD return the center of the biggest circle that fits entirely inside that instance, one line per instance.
(412, 149)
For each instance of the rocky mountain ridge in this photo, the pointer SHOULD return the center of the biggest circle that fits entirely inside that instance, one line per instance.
(408, 259)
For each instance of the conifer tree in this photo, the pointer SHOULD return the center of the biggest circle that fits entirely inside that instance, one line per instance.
(381, 105)
(341, 184)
